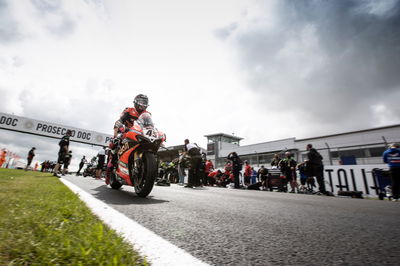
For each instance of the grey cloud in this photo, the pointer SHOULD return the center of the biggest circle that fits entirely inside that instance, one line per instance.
(99, 98)
(225, 32)
(350, 34)
(17, 61)
(64, 28)
(11, 61)
(354, 65)
(97, 3)
(9, 30)
(65, 24)
(47, 5)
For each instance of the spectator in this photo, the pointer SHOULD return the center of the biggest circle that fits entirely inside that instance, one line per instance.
(64, 145)
(81, 164)
(306, 180)
(93, 161)
(214, 176)
(228, 168)
(224, 179)
(202, 171)
(193, 152)
(172, 171)
(237, 166)
(162, 170)
(392, 157)
(44, 166)
(31, 154)
(302, 168)
(247, 173)
(316, 168)
(263, 176)
(275, 161)
(100, 163)
(3, 155)
(48, 166)
(209, 168)
(253, 176)
(288, 168)
(310, 184)
(67, 161)
(52, 165)
(181, 168)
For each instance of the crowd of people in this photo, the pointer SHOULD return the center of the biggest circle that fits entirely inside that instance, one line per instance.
(7, 158)
(283, 175)
(94, 167)
(285, 172)
(47, 166)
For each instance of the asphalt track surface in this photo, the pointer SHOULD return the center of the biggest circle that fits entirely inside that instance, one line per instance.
(243, 227)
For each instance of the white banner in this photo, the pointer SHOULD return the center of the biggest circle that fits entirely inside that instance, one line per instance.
(352, 178)
(47, 129)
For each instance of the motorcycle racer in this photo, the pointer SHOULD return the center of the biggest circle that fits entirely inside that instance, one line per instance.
(130, 114)
(126, 120)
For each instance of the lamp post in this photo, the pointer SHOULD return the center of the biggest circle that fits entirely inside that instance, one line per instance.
(329, 153)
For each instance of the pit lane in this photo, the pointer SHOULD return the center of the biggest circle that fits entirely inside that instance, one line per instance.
(241, 227)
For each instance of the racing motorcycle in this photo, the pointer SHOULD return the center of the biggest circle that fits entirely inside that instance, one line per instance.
(90, 170)
(136, 163)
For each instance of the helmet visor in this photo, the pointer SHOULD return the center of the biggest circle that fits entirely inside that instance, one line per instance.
(144, 102)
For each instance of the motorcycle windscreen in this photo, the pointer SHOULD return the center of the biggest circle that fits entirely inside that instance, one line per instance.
(145, 120)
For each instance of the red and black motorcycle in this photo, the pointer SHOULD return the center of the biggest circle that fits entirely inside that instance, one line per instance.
(136, 163)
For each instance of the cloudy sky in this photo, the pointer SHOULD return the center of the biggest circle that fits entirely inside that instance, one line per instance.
(263, 70)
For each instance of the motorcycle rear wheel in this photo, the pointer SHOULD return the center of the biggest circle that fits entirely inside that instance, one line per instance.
(146, 174)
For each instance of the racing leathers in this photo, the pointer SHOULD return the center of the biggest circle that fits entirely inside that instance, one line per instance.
(126, 119)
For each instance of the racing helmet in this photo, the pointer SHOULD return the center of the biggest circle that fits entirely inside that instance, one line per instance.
(141, 102)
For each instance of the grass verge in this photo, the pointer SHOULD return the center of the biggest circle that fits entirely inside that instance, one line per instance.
(42, 222)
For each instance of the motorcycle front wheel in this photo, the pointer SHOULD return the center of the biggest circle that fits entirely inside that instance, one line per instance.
(144, 174)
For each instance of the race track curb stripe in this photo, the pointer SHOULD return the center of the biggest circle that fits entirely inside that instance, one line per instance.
(157, 250)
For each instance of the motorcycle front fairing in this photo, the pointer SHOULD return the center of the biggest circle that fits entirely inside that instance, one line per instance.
(124, 154)
(150, 138)
(142, 136)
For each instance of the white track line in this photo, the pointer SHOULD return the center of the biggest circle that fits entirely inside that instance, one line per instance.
(157, 250)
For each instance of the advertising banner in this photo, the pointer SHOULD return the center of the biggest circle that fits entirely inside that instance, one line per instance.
(352, 178)
(52, 130)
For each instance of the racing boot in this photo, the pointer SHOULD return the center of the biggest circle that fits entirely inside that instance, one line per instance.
(110, 166)
(110, 154)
